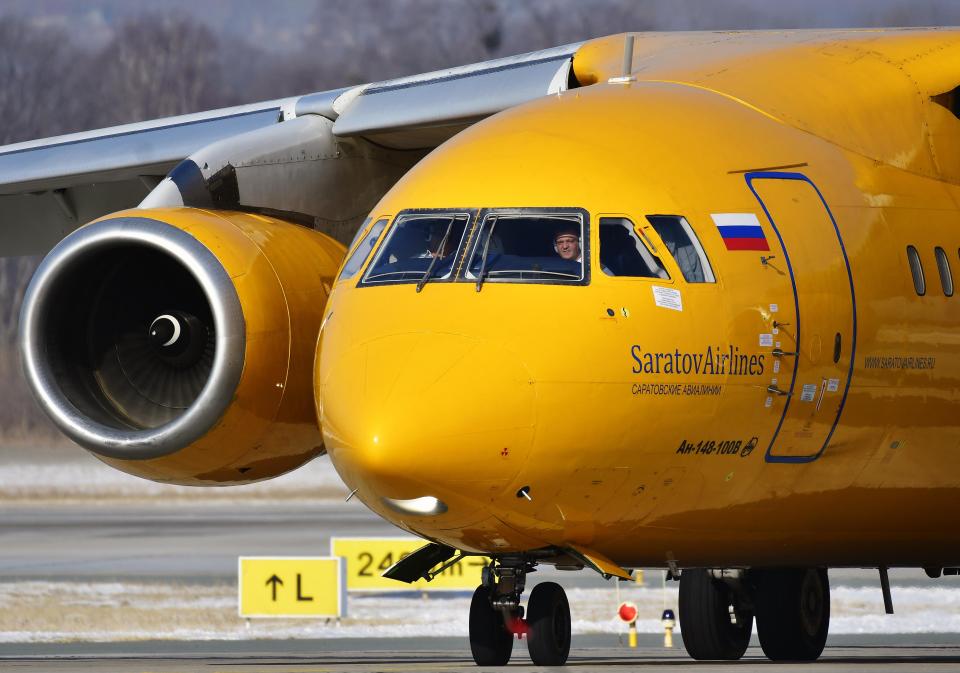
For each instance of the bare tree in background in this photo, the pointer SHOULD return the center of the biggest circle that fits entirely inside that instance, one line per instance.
(28, 56)
(548, 23)
(382, 40)
(37, 70)
(158, 66)
(19, 414)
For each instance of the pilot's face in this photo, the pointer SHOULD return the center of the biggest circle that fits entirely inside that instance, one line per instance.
(568, 246)
(433, 245)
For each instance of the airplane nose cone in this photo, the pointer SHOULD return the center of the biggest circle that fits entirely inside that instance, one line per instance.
(427, 416)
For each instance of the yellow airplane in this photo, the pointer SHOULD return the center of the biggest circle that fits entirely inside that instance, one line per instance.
(681, 300)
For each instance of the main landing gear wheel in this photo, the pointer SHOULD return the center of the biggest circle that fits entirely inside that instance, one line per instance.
(548, 621)
(490, 641)
(793, 612)
(713, 624)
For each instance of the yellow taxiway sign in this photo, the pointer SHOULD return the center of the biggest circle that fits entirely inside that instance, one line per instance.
(292, 587)
(367, 558)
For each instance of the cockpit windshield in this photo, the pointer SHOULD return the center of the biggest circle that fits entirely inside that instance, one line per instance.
(529, 247)
(419, 247)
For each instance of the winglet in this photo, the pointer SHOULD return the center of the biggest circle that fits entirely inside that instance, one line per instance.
(600, 563)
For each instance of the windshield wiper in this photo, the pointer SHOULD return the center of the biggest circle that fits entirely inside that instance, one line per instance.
(486, 249)
(433, 262)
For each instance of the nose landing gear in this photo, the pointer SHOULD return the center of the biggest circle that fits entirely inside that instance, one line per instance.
(549, 621)
(490, 640)
(496, 616)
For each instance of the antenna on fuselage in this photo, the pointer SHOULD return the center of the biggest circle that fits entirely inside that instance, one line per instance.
(627, 62)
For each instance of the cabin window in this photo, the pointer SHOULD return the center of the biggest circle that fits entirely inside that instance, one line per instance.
(622, 253)
(685, 247)
(943, 266)
(362, 250)
(526, 246)
(416, 244)
(916, 270)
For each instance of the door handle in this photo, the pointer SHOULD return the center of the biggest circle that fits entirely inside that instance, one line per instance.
(823, 389)
(776, 391)
(779, 353)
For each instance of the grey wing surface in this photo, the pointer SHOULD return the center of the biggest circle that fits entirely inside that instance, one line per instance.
(360, 139)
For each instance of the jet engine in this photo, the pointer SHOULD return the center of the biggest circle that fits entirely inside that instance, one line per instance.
(178, 344)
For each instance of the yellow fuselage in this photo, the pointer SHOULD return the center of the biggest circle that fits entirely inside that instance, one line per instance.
(651, 434)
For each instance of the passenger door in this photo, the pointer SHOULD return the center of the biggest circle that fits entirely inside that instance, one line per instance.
(816, 346)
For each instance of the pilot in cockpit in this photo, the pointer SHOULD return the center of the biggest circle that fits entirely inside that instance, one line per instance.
(566, 243)
(406, 244)
(434, 241)
(417, 242)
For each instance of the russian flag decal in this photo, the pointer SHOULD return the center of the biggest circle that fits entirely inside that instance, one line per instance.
(740, 231)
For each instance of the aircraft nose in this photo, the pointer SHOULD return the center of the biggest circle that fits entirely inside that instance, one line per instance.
(411, 417)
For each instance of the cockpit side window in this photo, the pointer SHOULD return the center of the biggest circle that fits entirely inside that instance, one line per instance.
(359, 233)
(685, 247)
(416, 244)
(534, 247)
(623, 254)
(362, 250)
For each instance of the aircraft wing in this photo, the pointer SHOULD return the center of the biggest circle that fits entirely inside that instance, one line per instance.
(51, 186)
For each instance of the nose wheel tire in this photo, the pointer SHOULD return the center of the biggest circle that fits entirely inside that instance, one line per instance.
(713, 624)
(490, 641)
(793, 612)
(548, 621)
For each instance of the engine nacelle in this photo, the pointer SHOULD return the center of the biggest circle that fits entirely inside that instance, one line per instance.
(178, 344)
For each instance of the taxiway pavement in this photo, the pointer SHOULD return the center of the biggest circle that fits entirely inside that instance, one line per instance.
(937, 652)
(200, 542)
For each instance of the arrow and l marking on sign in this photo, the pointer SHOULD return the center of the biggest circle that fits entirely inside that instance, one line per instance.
(274, 581)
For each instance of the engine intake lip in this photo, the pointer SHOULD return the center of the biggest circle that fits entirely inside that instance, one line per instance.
(68, 257)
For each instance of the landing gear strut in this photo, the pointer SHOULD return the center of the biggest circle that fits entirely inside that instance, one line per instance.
(496, 616)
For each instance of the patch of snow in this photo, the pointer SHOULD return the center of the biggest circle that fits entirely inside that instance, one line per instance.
(79, 611)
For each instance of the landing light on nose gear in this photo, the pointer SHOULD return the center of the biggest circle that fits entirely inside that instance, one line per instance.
(496, 616)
